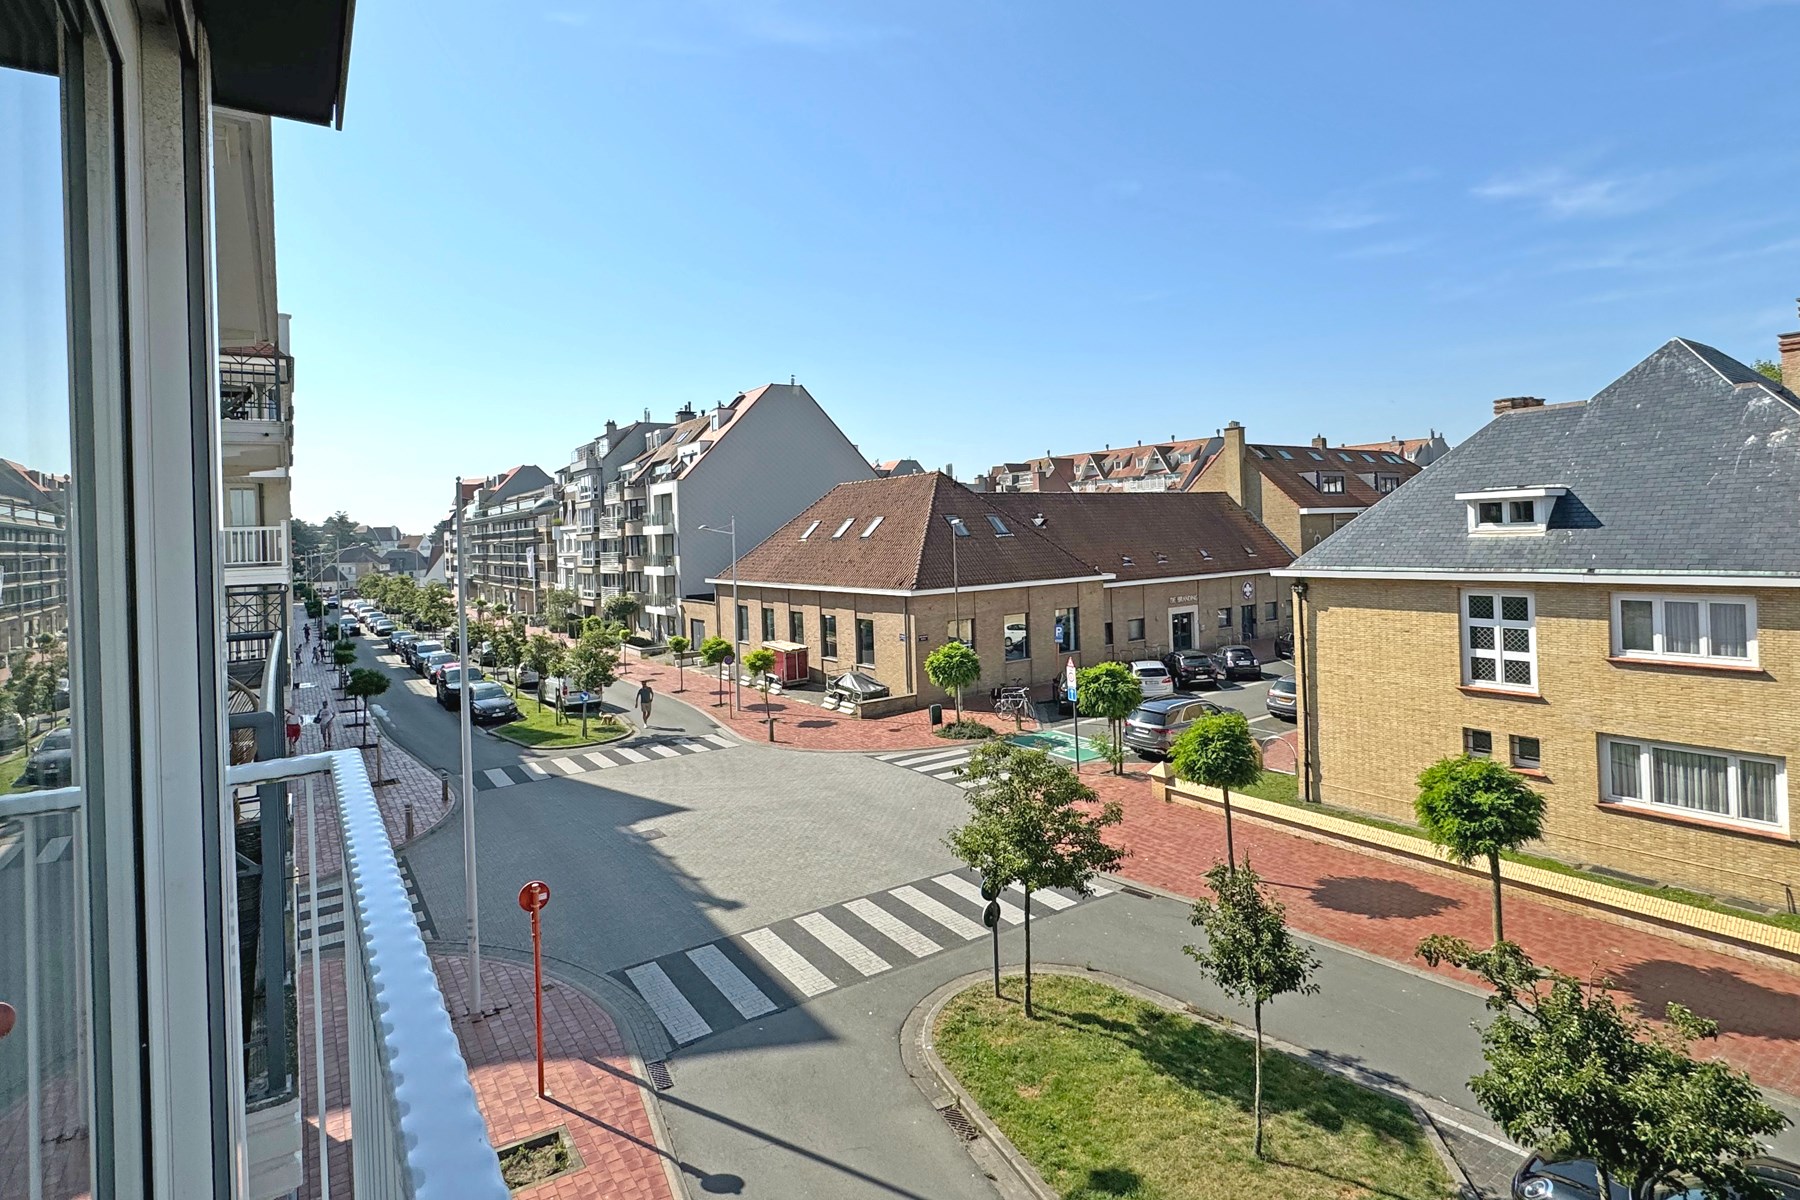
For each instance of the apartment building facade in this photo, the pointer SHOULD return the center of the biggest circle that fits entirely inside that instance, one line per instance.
(509, 525)
(1144, 467)
(876, 575)
(746, 465)
(1606, 596)
(34, 548)
(590, 542)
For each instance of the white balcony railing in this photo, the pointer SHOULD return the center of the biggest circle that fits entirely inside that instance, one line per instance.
(256, 546)
(415, 1130)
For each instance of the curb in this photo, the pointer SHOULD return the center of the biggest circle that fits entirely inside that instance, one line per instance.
(930, 1074)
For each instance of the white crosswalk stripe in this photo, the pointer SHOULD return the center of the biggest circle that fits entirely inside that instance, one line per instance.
(893, 928)
(732, 983)
(834, 939)
(1011, 913)
(945, 766)
(632, 755)
(498, 777)
(535, 771)
(1044, 896)
(662, 751)
(681, 1019)
(914, 761)
(723, 743)
(938, 911)
(568, 766)
(604, 762)
(785, 959)
(1100, 889)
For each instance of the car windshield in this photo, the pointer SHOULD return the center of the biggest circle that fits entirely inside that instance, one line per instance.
(1283, 685)
(454, 674)
(1149, 716)
(1151, 672)
(428, 647)
(487, 691)
(60, 739)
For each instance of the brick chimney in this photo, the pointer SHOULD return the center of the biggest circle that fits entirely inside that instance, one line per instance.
(1515, 403)
(1790, 359)
(1239, 476)
(1318, 442)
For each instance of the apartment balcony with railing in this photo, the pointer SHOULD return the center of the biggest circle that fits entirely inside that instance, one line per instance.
(256, 554)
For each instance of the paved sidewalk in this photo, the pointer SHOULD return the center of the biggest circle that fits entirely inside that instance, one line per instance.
(1384, 907)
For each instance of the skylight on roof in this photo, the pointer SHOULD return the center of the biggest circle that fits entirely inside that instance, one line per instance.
(1317, 457)
(1260, 452)
(1367, 458)
(1250, 550)
(1206, 554)
(1393, 458)
(848, 522)
(1161, 558)
(1284, 454)
(956, 525)
(1125, 559)
(1000, 529)
(871, 527)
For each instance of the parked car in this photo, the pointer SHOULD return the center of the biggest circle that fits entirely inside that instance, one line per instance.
(400, 638)
(12, 732)
(1191, 668)
(331, 602)
(347, 627)
(1284, 645)
(450, 682)
(1155, 724)
(417, 651)
(1539, 1178)
(1281, 700)
(1153, 677)
(51, 764)
(428, 664)
(489, 704)
(527, 677)
(1238, 662)
(382, 627)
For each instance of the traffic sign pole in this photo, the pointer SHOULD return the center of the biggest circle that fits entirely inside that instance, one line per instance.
(990, 916)
(1075, 709)
(532, 898)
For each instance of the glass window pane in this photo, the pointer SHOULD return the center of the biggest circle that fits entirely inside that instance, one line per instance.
(1478, 743)
(1481, 637)
(1481, 608)
(1481, 670)
(1756, 790)
(1685, 779)
(1681, 627)
(828, 637)
(1017, 634)
(1067, 629)
(1488, 512)
(1526, 752)
(1524, 512)
(1637, 625)
(1134, 629)
(1518, 672)
(865, 642)
(1730, 630)
(1517, 641)
(768, 624)
(1515, 608)
(797, 627)
(1626, 777)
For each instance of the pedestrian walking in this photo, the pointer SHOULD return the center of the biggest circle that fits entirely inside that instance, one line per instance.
(325, 719)
(293, 730)
(644, 698)
(306, 633)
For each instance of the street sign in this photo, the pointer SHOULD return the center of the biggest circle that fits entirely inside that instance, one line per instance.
(534, 896)
(989, 890)
(7, 1017)
(1069, 679)
(990, 916)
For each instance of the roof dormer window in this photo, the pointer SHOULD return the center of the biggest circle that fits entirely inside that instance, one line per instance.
(1331, 485)
(1510, 510)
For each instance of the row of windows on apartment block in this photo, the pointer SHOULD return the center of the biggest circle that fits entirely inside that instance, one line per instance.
(1499, 633)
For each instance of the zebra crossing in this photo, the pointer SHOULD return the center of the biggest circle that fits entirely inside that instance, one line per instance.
(946, 765)
(590, 761)
(332, 917)
(708, 989)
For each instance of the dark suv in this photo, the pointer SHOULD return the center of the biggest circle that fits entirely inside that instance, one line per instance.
(1237, 662)
(1191, 668)
(1155, 724)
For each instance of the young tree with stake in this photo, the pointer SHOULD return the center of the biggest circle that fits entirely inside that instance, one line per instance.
(1218, 751)
(759, 662)
(1112, 691)
(678, 646)
(953, 666)
(592, 668)
(1025, 827)
(1249, 953)
(716, 652)
(543, 654)
(365, 684)
(1477, 809)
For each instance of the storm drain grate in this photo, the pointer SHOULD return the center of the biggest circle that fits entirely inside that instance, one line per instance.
(660, 1079)
(959, 1122)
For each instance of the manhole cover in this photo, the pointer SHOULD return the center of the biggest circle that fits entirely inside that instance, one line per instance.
(660, 1079)
(959, 1122)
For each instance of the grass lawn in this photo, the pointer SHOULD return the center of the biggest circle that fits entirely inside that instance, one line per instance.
(11, 767)
(1111, 1096)
(539, 728)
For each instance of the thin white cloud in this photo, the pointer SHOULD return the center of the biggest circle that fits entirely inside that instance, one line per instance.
(1561, 194)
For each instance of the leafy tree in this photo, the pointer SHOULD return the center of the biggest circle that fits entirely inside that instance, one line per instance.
(509, 647)
(559, 605)
(592, 668)
(1578, 1074)
(339, 528)
(304, 539)
(1476, 808)
(480, 605)
(620, 607)
(1218, 751)
(1249, 953)
(1110, 751)
(716, 652)
(436, 609)
(953, 667)
(1026, 827)
(342, 655)
(1112, 691)
(759, 662)
(1768, 368)
(365, 684)
(544, 655)
(501, 608)
(678, 646)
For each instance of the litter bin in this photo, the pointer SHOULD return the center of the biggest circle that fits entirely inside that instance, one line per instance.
(936, 713)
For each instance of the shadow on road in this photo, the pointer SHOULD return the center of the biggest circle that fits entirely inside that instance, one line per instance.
(1382, 899)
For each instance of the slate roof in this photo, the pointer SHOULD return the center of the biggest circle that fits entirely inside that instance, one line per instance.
(1689, 463)
(1164, 535)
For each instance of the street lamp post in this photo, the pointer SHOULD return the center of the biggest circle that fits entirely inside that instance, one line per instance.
(731, 530)
(466, 739)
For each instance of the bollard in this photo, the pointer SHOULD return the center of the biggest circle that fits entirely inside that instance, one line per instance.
(409, 821)
(772, 721)
(444, 778)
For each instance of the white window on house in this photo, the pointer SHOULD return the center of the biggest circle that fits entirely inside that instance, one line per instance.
(1510, 511)
(872, 526)
(1386, 483)
(1718, 785)
(1331, 484)
(848, 522)
(1527, 753)
(809, 531)
(1478, 743)
(1678, 628)
(1499, 640)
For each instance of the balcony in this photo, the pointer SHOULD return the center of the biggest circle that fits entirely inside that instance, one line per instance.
(256, 554)
(659, 564)
(606, 527)
(659, 521)
(618, 492)
(611, 561)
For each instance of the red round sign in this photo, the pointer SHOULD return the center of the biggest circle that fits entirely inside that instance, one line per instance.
(7, 1017)
(534, 895)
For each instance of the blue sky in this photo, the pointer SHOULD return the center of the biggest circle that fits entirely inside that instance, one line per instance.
(980, 231)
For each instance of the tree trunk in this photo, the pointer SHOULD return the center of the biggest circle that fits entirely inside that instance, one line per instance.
(1230, 858)
(959, 706)
(1028, 1011)
(1256, 1093)
(680, 678)
(1494, 870)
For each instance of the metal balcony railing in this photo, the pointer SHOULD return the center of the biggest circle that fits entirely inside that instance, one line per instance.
(256, 546)
(415, 1130)
(660, 560)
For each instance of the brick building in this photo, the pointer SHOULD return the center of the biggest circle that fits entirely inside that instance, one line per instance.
(1604, 594)
(876, 575)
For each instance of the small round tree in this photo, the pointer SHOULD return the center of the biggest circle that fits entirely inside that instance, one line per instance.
(716, 652)
(1218, 751)
(365, 684)
(1111, 691)
(620, 607)
(1477, 809)
(759, 662)
(678, 646)
(953, 667)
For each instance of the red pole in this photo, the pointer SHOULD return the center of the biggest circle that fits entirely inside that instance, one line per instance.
(537, 993)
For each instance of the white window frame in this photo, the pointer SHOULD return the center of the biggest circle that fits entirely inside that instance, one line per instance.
(1499, 653)
(1646, 783)
(1542, 500)
(1705, 600)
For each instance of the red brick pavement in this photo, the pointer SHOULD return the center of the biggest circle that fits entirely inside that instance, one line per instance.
(1377, 904)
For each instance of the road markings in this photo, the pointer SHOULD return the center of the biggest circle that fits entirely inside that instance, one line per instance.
(834, 939)
(787, 960)
(1011, 913)
(893, 928)
(938, 911)
(662, 751)
(596, 762)
(498, 777)
(536, 771)
(912, 761)
(632, 755)
(732, 983)
(1055, 901)
(679, 1017)
(568, 766)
